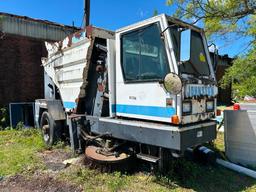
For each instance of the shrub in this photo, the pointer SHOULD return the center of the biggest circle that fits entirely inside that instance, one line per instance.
(4, 118)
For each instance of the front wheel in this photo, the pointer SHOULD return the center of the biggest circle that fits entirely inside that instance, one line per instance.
(51, 129)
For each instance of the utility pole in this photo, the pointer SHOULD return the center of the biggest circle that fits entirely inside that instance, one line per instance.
(86, 13)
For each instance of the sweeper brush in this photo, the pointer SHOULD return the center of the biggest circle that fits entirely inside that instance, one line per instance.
(107, 161)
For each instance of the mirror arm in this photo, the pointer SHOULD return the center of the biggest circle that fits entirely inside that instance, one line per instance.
(212, 44)
(215, 56)
(162, 33)
(161, 81)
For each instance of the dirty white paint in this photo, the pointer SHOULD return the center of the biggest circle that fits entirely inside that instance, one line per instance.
(65, 66)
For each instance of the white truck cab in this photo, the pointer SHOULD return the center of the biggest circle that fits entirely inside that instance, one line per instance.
(146, 53)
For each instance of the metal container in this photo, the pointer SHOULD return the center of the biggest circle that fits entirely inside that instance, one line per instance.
(240, 135)
(22, 112)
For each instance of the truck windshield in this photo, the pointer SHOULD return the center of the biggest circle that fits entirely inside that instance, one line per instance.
(197, 63)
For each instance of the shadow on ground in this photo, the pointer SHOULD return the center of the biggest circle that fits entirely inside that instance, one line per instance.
(203, 177)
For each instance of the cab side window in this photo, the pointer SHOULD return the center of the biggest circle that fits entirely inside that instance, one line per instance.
(143, 55)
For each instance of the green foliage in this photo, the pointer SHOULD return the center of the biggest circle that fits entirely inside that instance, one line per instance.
(117, 183)
(94, 181)
(20, 126)
(4, 118)
(18, 151)
(242, 75)
(155, 12)
(252, 23)
(169, 2)
(227, 20)
(218, 16)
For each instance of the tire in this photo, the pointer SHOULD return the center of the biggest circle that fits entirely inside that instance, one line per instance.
(165, 163)
(51, 129)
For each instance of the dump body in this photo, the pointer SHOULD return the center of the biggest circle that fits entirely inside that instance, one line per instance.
(67, 66)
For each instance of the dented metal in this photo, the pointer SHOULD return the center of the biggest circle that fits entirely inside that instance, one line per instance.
(68, 61)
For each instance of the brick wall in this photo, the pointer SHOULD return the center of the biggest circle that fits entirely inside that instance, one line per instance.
(21, 73)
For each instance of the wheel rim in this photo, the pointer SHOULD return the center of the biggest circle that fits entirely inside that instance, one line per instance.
(46, 130)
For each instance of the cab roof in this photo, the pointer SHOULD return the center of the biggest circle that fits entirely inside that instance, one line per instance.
(158, 18)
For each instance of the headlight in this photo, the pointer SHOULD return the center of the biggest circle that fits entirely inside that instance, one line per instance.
(186, 107)
(209, 105)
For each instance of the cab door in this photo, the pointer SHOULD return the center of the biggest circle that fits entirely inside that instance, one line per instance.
(141, 64)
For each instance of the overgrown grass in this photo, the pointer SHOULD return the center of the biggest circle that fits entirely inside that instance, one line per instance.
(18, 150)
(184, 175)
(219, 142)
(92, 180)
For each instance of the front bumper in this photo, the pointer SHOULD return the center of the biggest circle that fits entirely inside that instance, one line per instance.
(156, 134)
(197, 136)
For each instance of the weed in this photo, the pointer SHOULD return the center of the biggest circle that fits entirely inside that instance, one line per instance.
(4, 118)
(116, 182)
(59, 145)
(18, 150)
(20, 126)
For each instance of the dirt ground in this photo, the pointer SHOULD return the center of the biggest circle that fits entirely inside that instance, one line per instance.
(39, 183)
(42, 180)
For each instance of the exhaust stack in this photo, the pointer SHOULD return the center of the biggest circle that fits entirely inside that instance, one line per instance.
(86, 13)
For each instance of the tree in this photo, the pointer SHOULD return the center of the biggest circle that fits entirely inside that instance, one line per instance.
(227, 20)
(242, 75)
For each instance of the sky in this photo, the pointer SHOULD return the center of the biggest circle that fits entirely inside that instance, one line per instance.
(109, 14)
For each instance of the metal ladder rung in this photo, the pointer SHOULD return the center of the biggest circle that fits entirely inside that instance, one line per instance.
(148, 158)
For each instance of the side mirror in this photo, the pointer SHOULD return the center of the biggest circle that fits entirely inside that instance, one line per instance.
(172, 83)
(185, 41)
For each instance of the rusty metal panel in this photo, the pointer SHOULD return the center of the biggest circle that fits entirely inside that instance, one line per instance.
(33, 28)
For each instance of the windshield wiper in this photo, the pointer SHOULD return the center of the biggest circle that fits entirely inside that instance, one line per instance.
(170, 26)
(209, 79)
(191, 76)
(197, 77)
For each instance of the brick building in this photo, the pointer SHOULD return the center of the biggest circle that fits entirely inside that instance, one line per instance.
(21, 49)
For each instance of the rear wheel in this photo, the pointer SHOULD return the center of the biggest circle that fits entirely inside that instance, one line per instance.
(51, 129)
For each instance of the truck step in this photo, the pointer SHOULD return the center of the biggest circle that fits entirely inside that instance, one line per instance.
(147, 157)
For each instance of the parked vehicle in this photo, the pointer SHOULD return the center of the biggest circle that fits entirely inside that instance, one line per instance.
(148, 89)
